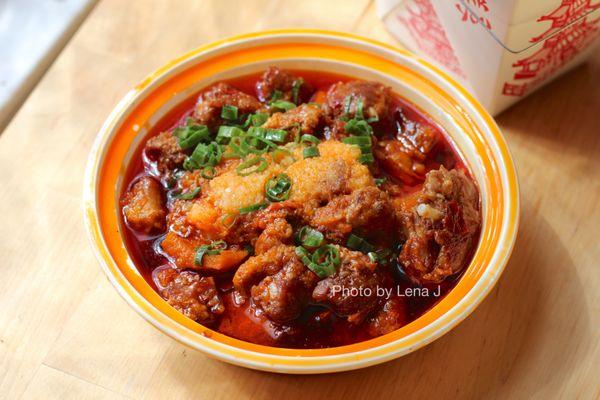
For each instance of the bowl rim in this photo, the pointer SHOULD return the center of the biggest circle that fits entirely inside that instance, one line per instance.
(300, 361)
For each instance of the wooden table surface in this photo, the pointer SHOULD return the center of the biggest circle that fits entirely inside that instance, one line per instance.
(65, 333)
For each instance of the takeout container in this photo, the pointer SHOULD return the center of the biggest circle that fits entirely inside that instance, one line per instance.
(500, 50)
(470, 127)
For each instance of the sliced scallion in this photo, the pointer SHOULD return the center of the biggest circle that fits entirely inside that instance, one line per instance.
(189, 195)
(278, 188)
(252, 165)
(213, 248)
(253, 207)
(229, 113)
(309, 237)
(310, 152)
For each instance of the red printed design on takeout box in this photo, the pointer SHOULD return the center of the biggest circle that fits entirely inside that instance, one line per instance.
(427, 32)
(467, 15)
(572, 33)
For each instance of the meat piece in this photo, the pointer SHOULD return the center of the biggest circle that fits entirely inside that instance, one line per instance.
(164, 150)
(418, 139)
(276, 233)
(283, 295)
(391, 316)
(278, 79)
(183, 251)
(397, 161)
(352, 291)
(143, 206)
(374, 95)
(304, 119)
(278, 282)
(194, 296)
(368, 206)
(442, 227)
(210, 103)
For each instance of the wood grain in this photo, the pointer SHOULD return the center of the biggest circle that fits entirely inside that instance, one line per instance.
(65, 333)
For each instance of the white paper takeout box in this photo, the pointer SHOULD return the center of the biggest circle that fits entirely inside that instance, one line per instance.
(501, 50)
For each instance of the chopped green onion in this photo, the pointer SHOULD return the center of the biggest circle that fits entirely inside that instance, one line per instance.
(189, 195)
(259, 118)
(225, 133)
(227, 216)
(380, 181)
(282, 105)
(278, 188)
(373, 256)
(365, 149)
(325, 261)
(229, 112)
(253, 207)
(303, 254)
(348, 104)
(277, 94)
(309, 139)
(357, 243)
(276, 135)
(358, 113)
(366, 159)
(358, 140)
(213, 248)
(310, 152)
(245, 168)
(296, 89)
(358, 127)
(190, 135)
(309, 237)
(204, 156)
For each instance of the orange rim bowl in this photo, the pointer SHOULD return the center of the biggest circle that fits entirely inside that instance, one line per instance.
(470, 127)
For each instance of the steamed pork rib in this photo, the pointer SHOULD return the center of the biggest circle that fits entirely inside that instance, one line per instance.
(442, 227)
(293, 209)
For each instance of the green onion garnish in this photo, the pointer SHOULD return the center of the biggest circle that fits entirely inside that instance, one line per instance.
(253, 207)
(309, 139)
(310, 152)
(309, 237)
(380, 181)
(205, 156)
(358, 127)
(358, 140)
(303, 254)
(325, 261)
(359, 109)
(366, 159)
(276, 95)
(189, 195)
(245, 168)
(276, 135)
(278, 188)
(282, 105)
(190, 135)
(225, 133)
(357, 243)
(348, 104)
(296, 89)
(259, 118)
(373, 256)
(229, 113)
(213, 248)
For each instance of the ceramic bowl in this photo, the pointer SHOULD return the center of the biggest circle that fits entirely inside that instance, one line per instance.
(469, 126)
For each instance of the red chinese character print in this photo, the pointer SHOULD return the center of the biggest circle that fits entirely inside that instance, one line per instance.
(467, 15)
(424, 27)
(569, 33)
